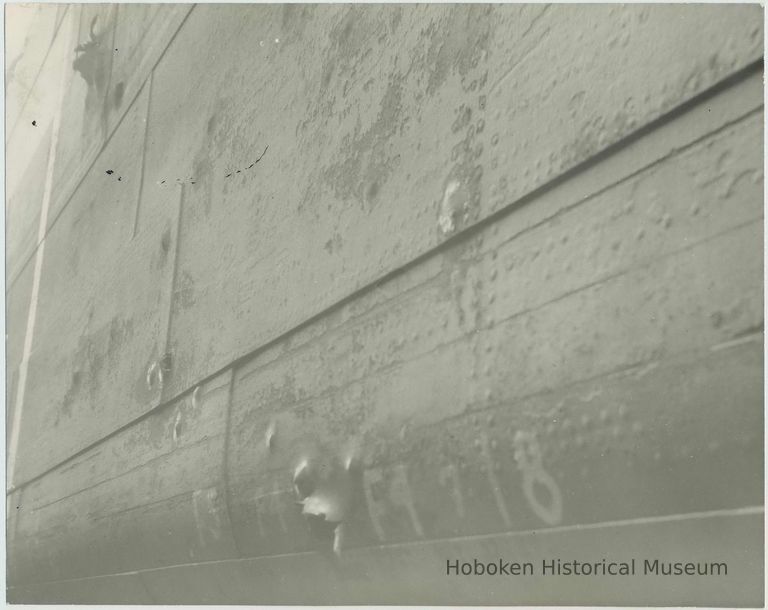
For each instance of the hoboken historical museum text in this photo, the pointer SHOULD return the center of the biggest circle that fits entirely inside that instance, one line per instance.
(574, 567)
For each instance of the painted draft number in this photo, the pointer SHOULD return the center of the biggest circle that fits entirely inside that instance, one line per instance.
(529, 462)
(387, 490)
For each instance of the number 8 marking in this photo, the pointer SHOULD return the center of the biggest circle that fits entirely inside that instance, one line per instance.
(528, 458)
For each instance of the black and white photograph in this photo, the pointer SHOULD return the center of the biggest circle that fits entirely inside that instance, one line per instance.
(446, 304)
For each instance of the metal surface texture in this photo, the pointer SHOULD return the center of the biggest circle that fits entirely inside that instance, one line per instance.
(332, 294)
